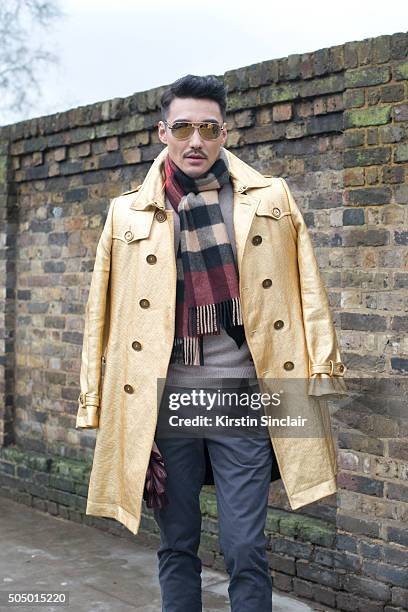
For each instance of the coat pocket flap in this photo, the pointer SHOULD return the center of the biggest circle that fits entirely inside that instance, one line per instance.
(266, 208)
(136, 228)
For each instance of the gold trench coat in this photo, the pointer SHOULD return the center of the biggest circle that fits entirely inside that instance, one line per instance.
(127, 343)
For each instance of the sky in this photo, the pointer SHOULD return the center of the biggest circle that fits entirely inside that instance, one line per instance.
(110, 49)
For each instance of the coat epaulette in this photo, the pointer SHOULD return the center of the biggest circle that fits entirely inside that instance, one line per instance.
(131, 190)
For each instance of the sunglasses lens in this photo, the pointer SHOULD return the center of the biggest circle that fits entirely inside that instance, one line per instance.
(210, 131)
(182, 130)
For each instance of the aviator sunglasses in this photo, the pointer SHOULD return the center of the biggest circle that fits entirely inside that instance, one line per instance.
(184, 129)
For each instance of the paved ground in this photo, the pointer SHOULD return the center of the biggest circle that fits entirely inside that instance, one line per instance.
(101, 572)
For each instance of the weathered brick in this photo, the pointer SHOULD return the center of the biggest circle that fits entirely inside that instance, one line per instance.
(72, 337)
(282, 112)
(367, 157)
(354, 98)
(401, 280)
(355, 138)
(401, 71)
(365, 77)
(399, 597)
(325, 123)
(401, 153)
(367, 116)
(381, 49)
(397, 535)
(371, 197)
(354, 177)
(393, 174)
(367, 587)
(400, 113)
(399, 364)
(325, 85)
(363, 237)
(401, 238)
(354, 482)
(386, 573)
(358, 525)
(372, 136)
(390, 133)
(392, 93)
(399, 323)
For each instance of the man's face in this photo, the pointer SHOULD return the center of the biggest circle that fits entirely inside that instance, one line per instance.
(194, 156)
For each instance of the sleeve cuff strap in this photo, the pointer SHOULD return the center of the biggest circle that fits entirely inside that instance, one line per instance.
(333, 368)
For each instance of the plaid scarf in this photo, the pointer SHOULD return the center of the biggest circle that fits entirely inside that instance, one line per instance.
(207, 279)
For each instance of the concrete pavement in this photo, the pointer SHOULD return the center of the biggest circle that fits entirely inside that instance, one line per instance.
(101, 572)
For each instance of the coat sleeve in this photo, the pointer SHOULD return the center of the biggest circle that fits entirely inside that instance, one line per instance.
(326, 369)
(94, 331)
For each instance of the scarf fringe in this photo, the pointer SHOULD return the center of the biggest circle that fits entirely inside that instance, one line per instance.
(188, 351)
(207, 319)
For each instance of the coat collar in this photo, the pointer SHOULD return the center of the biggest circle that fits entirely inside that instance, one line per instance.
(152, 190)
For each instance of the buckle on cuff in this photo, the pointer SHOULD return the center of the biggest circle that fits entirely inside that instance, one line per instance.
(88, 399)
(336, 368)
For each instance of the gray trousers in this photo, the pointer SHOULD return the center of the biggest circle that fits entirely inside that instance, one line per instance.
(242, 469)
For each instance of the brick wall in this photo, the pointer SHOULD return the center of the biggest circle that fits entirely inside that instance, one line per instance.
(334, 123)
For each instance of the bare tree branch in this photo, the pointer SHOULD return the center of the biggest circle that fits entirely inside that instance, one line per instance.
(21, 62)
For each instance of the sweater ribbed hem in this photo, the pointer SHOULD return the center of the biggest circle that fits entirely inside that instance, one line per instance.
(212, 377)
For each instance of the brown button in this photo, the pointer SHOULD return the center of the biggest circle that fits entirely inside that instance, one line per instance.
(276, 212)
(161, 216)
(144, 303)
(136, 345)
(288, 365)
(151, 259)
(128, 235)
(256, 240)
(266, 283)
(128, 388)
(278, 324)
(341, 368)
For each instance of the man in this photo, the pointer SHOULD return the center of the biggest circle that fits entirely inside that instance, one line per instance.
(205, 272)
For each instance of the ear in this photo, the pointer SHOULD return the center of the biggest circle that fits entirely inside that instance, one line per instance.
(224, 135)
(161, 128)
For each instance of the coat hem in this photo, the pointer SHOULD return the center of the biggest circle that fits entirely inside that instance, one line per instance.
(116, 512)
(323, 489)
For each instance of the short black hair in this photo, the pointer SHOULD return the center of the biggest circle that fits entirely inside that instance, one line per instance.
(191, 86)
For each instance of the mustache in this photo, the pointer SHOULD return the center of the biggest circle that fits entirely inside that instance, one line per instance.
(196, 154)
